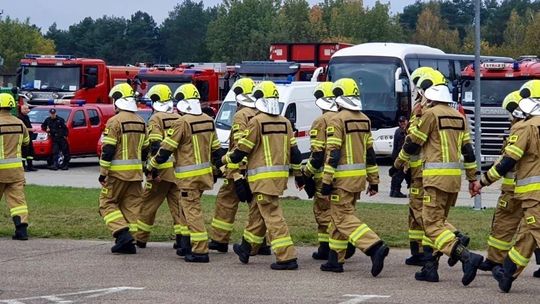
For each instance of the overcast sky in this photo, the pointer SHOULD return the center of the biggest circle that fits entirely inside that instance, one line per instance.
(67, 12)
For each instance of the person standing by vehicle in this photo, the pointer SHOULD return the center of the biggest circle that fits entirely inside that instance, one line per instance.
(28, 153)
(58, 132)
(13, 135)
(399, 140)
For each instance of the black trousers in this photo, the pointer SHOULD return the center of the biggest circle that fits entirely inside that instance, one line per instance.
(397, 180)
(60, 145)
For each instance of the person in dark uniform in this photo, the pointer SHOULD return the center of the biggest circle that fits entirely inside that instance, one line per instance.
(56, 127)
(28, 152)
(399, 140)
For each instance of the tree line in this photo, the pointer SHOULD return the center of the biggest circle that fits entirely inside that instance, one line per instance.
(238, 30)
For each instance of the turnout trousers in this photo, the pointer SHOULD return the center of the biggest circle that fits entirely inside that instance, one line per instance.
(225, 212)
(15, 199)
(346, 227)
(190, 201)
(416, 196)
(265, 213)
(120, 204)
(153, 196)
(438, 231)
(528, 237)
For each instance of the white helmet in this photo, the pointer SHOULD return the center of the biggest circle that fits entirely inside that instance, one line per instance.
(439, 93)
(267, 98)
(188, 99)
(530, 106)
(126, 104)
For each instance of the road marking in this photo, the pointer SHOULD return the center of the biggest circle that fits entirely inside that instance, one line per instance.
(360, 298)
(60, 298)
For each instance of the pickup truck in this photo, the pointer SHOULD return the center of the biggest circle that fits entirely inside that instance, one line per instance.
(84, 122)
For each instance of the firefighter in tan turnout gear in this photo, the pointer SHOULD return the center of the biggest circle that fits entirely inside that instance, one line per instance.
(442, 135)
(121, 169)
(521, 152)
(157, 191)
(193, 144)
(13, 139)
(227, 200)
(349, 162)
(270, 147)
(313, 169)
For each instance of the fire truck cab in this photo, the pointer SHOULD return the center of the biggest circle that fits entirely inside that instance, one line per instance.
(498, 80)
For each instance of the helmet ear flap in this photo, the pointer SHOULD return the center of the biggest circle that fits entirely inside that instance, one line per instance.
(238, 90)
(116, 96)
(525, 93)
(426, 84)
(179, 96)
(318, 94)
(154, 97)
(338, 92)
(258, 94)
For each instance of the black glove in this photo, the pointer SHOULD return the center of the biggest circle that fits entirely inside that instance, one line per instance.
(408, 178)
(215, 178)
(102, 178)
(300, 182)
(373, 187)
(393, 170)
(154, 173)
(310, 186)
(326, 189)
(242, 190)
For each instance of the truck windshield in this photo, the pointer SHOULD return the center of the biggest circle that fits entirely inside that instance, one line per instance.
(376, 78)
(224, 118)
(493, 91)
(51, 78)
(38, 115)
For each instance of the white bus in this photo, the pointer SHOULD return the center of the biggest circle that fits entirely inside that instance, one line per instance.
(382, 71)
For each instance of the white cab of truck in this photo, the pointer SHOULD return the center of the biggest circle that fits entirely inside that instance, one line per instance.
(296, 102)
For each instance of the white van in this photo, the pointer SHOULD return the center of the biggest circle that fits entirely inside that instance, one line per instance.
(297, 104)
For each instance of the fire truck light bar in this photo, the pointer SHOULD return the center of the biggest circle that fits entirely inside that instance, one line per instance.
(36, 56)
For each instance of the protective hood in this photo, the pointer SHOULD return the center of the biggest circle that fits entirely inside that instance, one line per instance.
(126, 104)
(189, 106)
(166, 107)
(438, 93)
(246, 100)
(530, 106)
(353, 103)
(327, 104)
(268, 105)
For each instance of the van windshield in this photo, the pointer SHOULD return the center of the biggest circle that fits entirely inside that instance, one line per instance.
(224, 119)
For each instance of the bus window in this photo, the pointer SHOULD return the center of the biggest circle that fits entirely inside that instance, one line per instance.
(443, 65)
(428, 62)
(412, 64)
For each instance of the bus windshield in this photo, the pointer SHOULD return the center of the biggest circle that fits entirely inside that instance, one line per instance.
(493, 91)
(376, 78)
(48, 78)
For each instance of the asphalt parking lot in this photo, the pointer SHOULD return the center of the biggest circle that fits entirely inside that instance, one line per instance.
(63, 271)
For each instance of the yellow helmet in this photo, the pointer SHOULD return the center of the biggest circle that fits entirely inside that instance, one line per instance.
(531, 89)
(121, 90)
(345, 87)
(7, 100)
(431, 78)
(243, 89)
(265, 89)
(324, 89)
(159, 93)
(243, 86)
(418, 73)
(347, 94)
(511, 101)
(187, 91)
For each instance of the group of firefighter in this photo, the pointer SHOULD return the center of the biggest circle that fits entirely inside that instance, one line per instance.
(181, 157)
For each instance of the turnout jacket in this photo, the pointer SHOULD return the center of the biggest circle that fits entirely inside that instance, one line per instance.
(13, 136)
(158, 125)
(318, 139)
(238, 131)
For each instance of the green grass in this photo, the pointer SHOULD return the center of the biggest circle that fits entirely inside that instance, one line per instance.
(72, 213)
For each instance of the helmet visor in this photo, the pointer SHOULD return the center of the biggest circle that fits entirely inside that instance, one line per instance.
(268, 105)
(245, 100)
(349, 102)
(327, 103)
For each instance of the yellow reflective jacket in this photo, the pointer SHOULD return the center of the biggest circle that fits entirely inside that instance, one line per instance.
(13, 135)
(158, 125)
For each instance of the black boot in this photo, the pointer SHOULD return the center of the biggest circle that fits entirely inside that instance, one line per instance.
(470, 262)
(322, 252)
(416, 258)
(285, 265)
(185, 246)
(463, 240)
(21, 232)
(177, 242)
(220, 247)
(264, 249)
(30, 165)
(333, 264)
(488, 265)
(140, 244)
(505, 274)
(242, 250)
(377, 253)
(429, 272)
(124, 242)
(197, 258)
(397, 194)
(351, 249)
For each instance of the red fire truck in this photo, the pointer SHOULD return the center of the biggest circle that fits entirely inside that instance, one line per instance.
(61, 79)
(498, 80)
